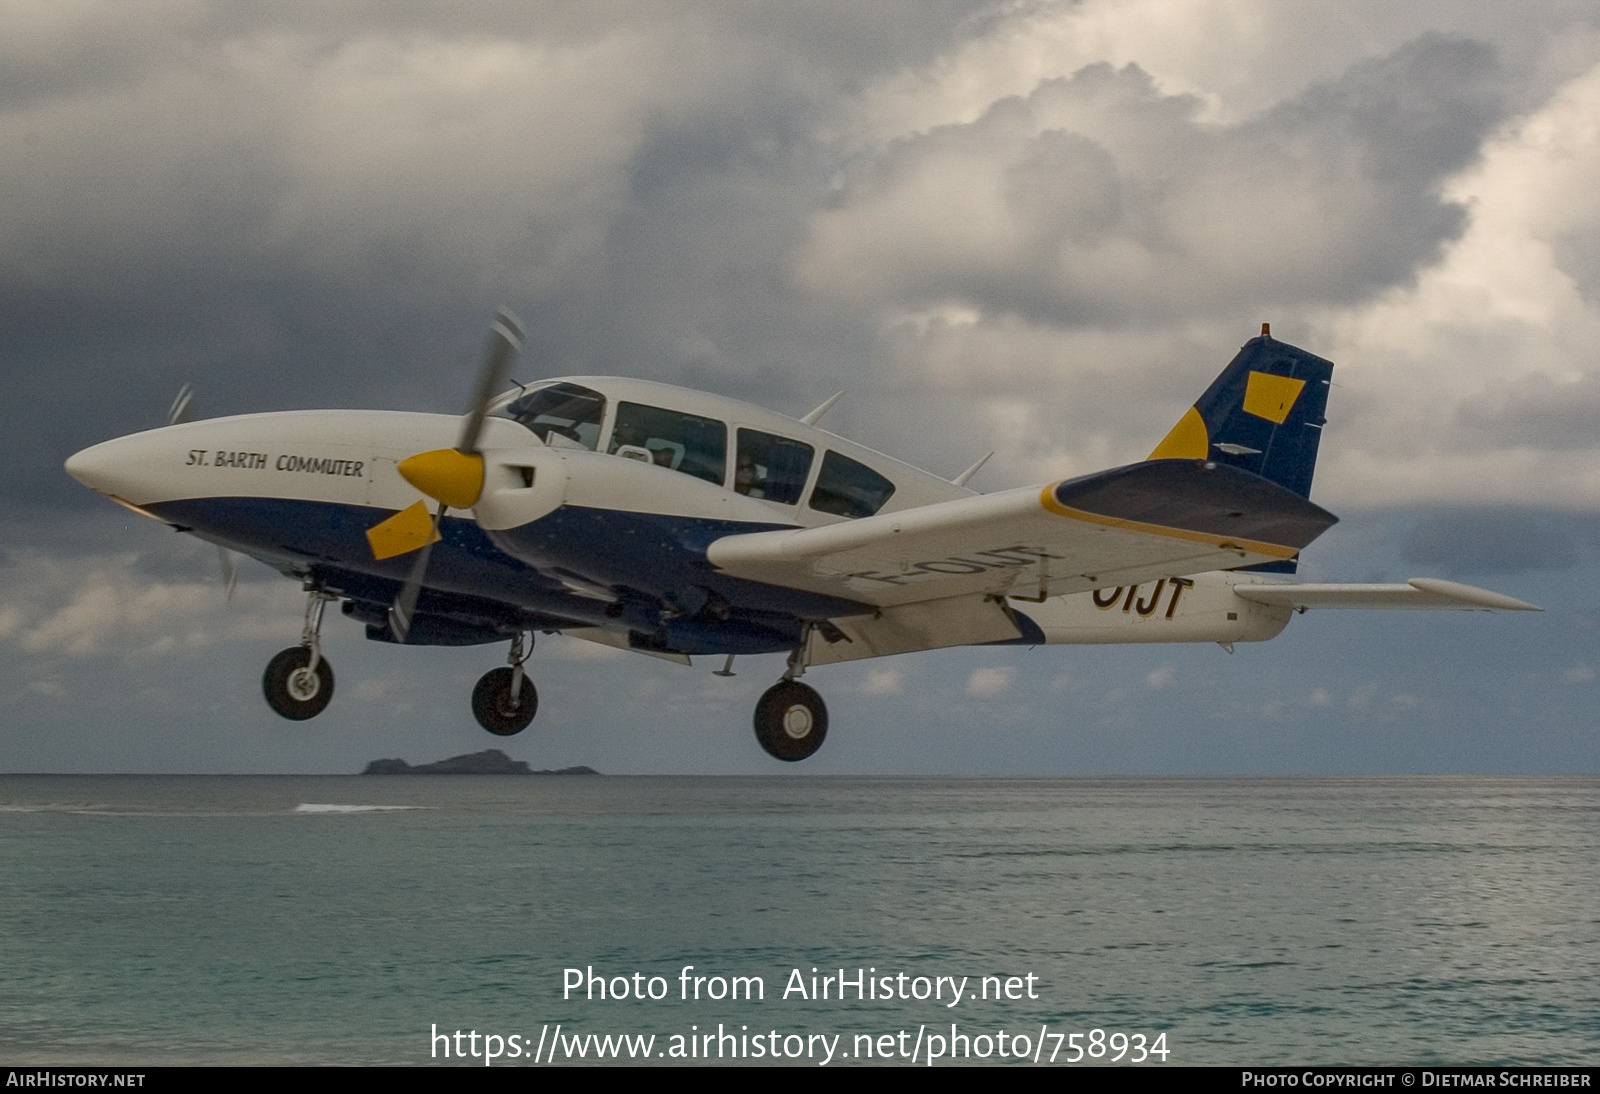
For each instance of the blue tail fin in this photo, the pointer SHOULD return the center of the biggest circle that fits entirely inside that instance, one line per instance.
(1263, 414)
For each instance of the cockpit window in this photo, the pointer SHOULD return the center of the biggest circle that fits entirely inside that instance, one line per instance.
(669, 438)
(849, 489)
(566, 411)
(771, 467)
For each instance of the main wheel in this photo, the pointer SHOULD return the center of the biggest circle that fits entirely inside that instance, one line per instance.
(492, 705)
(292, 690)
(791, 721)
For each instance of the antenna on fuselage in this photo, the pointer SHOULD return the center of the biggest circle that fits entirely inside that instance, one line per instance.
(961, 479)
(816, 415)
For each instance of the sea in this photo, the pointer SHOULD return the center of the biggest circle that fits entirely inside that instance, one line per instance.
(525, 921)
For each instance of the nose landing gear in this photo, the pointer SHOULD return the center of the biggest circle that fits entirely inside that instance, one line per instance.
(504, 702)
(298, 683)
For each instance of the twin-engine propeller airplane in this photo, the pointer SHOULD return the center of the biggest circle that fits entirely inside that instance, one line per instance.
(675, 523)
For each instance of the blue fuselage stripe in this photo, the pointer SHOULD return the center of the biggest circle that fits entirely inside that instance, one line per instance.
(653, 560)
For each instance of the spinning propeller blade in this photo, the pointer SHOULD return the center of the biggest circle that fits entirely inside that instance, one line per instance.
(181, 409)
(230, 571)
(451, 476)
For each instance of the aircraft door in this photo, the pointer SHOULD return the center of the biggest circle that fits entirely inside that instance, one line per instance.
(385, 488)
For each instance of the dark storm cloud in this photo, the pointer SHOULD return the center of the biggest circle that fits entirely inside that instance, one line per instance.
(1097, 199)
(1487, 542)
(1533, 412)
(304, 207)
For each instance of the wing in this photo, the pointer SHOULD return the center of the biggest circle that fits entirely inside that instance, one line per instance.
(1143, 522)
(1420, 592)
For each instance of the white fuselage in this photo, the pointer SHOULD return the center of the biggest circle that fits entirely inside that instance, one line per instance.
(213, 477)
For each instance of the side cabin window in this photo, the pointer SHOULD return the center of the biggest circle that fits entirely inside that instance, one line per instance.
(771, 467)
(566, 412)
(849, 489)
(669, 438)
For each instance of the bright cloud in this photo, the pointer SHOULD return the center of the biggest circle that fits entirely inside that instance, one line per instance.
(86, 607)
(986, 683)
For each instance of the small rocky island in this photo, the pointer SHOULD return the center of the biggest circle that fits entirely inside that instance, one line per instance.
(491, 761)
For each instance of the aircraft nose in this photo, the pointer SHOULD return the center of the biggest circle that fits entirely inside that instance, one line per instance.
(91, 466)
(112, 467)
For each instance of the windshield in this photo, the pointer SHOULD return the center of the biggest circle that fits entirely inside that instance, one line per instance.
(565, 411)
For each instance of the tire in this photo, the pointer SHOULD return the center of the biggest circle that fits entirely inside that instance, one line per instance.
(491, 703)
(791, 721)
(292, 692)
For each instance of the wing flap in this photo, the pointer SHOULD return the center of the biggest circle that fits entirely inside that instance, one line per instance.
(1141, 522)
(1423, 593)
(617, 641)
(929, 625)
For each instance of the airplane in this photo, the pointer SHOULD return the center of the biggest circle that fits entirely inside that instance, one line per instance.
(678, 523)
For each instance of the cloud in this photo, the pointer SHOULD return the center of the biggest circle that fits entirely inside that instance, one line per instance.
(93, 605)
(1501, 540)
(1097, 199)
(987, 683)
(1158, 678)
(884, 682)
(1477, 383)
(1079, 259)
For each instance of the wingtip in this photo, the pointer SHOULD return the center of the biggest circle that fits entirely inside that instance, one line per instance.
(1471, 594)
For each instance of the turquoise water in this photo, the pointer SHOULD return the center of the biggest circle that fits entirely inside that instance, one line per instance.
(1253, 921)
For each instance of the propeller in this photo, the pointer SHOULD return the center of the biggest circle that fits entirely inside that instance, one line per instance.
(182, 410)
(451, 476)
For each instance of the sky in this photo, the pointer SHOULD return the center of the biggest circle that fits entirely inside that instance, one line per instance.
(1039, 228)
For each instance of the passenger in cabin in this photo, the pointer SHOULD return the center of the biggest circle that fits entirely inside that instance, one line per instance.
(747, 478)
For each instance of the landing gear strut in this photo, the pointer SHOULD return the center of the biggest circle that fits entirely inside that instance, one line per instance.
(504, 702)
(298, 682)
(791, 719)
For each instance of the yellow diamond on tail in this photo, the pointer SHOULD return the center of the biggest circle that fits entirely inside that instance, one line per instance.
(1271, 397)
(408, 530)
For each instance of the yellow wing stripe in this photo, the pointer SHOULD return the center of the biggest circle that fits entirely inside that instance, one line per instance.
(1048, 499)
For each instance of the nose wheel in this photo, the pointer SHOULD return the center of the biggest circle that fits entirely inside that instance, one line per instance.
(504, 702)
(298, 682)
(791, 721)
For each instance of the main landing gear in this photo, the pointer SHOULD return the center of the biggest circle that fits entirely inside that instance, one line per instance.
(298, 683)
(791, 719)
(504, 702)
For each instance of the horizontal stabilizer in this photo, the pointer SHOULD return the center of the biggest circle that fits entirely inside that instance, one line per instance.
(1420, 592)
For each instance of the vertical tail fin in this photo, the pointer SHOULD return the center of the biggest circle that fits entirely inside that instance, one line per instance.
(1263, 414)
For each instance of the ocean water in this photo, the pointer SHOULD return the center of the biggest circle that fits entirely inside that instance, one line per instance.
(198, 919)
